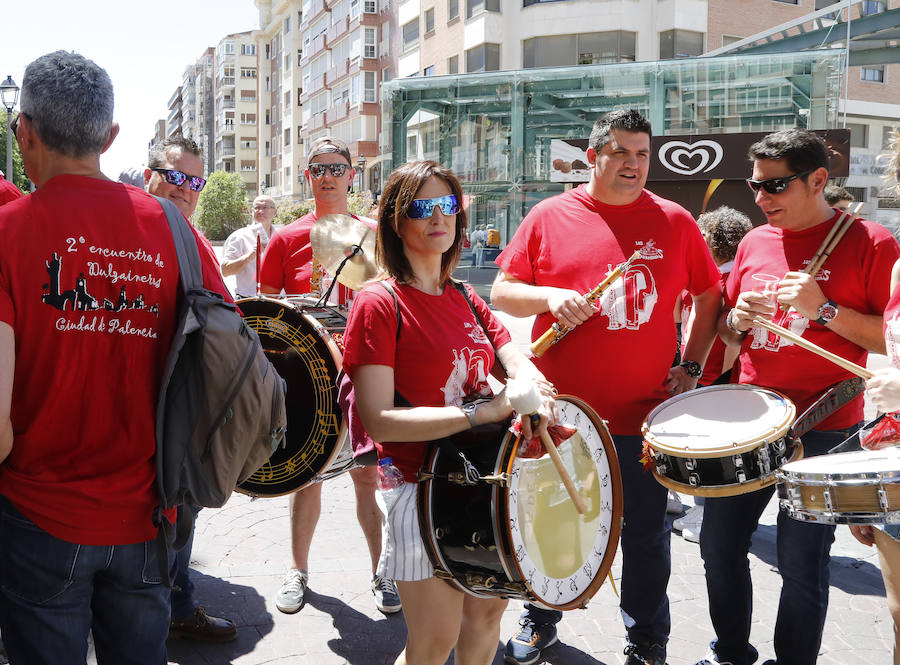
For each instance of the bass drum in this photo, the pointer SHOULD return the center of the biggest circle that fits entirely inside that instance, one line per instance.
(307, 358)
(516, 533)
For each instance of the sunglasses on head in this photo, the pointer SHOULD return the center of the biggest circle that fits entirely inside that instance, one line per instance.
(317, 170)
(178, 178)
(775, 185)
(424, 208)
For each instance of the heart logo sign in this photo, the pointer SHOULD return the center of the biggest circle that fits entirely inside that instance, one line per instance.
(690, 158)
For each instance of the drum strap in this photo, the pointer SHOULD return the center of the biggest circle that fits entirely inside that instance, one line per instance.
(833, 399)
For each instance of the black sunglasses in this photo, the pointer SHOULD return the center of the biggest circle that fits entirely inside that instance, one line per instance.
(317, 170)
(775, 185)
(178, 178)
(14, 125)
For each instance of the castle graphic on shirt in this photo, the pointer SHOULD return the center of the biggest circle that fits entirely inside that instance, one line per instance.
(764, 339)
(892, 340)
(469, 367)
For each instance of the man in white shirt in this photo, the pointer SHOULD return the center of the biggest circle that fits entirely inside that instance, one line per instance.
(239, 253)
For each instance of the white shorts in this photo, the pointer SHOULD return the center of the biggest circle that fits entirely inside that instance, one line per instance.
(403, 556)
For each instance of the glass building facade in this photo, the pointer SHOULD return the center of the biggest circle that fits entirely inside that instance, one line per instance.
(494, 129)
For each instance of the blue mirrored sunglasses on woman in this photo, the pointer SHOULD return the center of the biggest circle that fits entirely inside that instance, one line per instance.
(177, 178)
(424, 208)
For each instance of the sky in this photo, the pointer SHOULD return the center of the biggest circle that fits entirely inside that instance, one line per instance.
(145, 48)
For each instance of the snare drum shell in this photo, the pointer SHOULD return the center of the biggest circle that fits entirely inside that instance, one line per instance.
(859, 487)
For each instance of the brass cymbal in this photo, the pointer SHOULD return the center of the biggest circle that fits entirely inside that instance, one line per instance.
(334, 238)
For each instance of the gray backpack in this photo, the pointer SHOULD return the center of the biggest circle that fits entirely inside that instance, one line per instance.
(221, 411)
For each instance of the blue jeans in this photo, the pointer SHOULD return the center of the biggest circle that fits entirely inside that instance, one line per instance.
(182, 588)
(646, 559)
(54, 593)
(803, 558)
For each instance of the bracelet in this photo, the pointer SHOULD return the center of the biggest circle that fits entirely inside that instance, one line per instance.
(729, 323)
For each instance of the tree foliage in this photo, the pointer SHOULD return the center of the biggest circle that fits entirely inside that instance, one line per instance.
(358, 203)
(223, 205)
(18, 177)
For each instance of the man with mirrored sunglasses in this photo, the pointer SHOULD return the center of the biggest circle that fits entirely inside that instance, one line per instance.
(175, 172)
(840, 309)
(288, 266)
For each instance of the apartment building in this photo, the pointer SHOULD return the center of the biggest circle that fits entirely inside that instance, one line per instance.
(197, 112)
(173, 122)
(236, 102)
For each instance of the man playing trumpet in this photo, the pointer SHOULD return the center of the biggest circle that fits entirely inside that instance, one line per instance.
(831, 277)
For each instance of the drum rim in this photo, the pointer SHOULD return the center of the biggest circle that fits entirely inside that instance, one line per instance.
(774, 434)
(799, 474)
(342, 434)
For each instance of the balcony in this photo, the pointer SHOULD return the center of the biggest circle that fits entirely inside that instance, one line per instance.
(226, 127)
(316, 7)
(316, 122)
(224, 104)
(225, 81)
(337, 30)
(338, 112)
(317, 84)
(337, 72)
(225, 152)
(366, 148)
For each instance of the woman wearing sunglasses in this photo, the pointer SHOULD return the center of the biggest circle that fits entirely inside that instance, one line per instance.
(437, 356)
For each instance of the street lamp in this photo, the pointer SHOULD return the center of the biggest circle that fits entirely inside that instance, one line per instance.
(361, 167)
(9, 94)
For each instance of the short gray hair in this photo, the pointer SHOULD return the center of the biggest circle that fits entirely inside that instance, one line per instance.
(159, 152)
(69, 100)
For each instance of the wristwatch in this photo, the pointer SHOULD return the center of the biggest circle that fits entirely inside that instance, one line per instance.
(469, 409)
(692, 368)
(827, 312)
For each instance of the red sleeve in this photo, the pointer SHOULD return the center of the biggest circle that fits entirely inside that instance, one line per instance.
(878, 263)
(371, 334)
(212, 274)
(8, 191)
(520, 255)
(494, 328)
(270, 271)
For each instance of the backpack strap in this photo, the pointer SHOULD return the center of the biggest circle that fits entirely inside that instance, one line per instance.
(459, 286)
(189, 267)
(390, 289)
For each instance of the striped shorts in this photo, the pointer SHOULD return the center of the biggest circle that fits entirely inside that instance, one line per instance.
(403, 556)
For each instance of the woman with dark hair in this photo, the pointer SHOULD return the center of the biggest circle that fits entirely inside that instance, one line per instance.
(437, 355)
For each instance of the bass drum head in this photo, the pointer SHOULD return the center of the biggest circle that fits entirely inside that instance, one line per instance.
(718, 420)
(308, 360)
(564, 557)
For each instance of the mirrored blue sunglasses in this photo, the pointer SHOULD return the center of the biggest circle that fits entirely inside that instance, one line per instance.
(177, 178)
(424, 208)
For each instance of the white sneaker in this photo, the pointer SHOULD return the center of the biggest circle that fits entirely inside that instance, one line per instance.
(290, 595)
(693, 517)
(387, 599)
(710, 659)
(691, 533)
(673, 503)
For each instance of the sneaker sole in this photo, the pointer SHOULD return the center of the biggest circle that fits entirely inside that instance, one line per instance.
(389, 609)
(289, 609)
(510, 659)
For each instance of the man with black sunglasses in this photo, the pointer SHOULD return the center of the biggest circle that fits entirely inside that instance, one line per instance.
(288, 266)
(618, 359)
(175, 172)
(840, 309)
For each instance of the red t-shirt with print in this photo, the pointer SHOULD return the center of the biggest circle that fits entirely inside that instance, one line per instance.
(892, 328)
(619, 359)
(442, 356)
(856, 275)
(88, 282)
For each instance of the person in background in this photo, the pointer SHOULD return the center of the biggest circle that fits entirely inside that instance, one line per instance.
(239, 252)
(838, 197)
(8, 191)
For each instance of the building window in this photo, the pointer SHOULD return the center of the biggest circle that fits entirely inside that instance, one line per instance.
(475, 6)
(428, 71)
(680, 44)
(228, 48)
(453, 64)
(287, 136)
(268, 117)
(248, 49)
(875, 73)
(484, 58)
(592, 48)
(411, 34)
(287, 25)
(299, 56)
(287, 98)
(299, 138)
(299, 93)
(369, 95)
(370, 7)
(452, 10)
(287, 62)
(385, 74)
(429, 20)
(370, 37)
(728, 40)
(870, 7)
(248, 73)
(859, 135)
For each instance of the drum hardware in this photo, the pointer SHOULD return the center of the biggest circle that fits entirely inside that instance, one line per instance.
(514, 532)
(690, 464)
(765, 462)
(345, 246)
(883, 500)
(694, 480)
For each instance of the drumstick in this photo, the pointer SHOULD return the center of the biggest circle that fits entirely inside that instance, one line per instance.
(557, 331)
(258, 252)
(814, 267)
(524, 397)
(809, 346)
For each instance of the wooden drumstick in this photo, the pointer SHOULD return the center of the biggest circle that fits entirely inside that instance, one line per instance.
(809, 346)
(557, 331)
(525, 398)
(258, 260)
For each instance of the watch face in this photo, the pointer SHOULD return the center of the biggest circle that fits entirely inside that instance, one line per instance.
(827, 312)
(692, 368)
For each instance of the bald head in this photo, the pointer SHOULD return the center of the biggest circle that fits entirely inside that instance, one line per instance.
(264, 211)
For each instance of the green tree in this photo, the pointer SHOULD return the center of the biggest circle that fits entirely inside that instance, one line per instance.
(358, 203)
(223, 205)
(18, 177)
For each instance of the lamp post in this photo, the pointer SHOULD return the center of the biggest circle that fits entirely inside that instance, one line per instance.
(9, 94)
(361, 167)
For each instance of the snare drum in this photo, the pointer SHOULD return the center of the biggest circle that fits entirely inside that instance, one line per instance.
(860, 487)
(305, 355)
(721, 440)
(515, 533)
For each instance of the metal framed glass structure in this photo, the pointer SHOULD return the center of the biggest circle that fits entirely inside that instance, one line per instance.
(494, 129)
